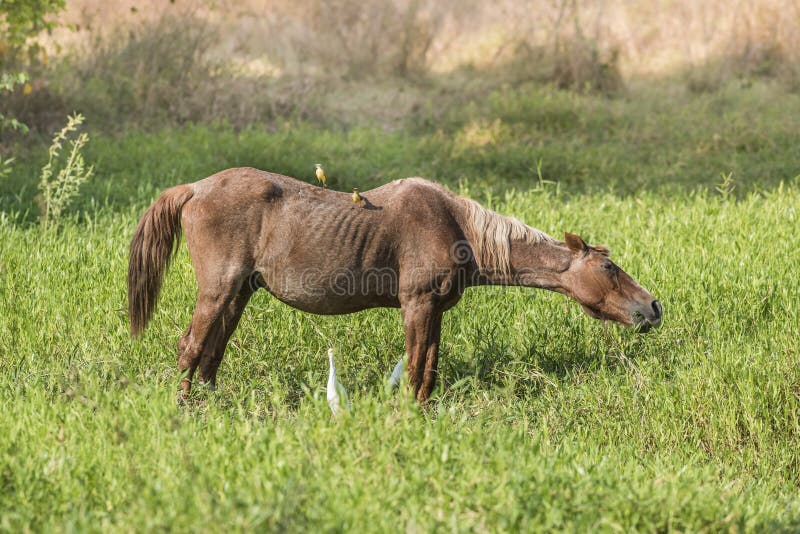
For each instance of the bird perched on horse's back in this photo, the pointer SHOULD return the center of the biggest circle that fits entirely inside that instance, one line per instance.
(320, 173)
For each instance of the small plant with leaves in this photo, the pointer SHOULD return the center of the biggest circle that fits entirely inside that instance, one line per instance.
(5, 166)
(7, 84)
(59, 187)
(541, 183)
(726, 186)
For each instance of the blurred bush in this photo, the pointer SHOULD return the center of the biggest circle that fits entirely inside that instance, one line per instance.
(763, 43)
(21, 21)
(154, 70)
(353, 39)
(344, 62)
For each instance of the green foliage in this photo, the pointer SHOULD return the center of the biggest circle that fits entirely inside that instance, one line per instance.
(59, 186)
(515, 138)
(7, 83)
(22, 19)
(20, 22)
(5, 166)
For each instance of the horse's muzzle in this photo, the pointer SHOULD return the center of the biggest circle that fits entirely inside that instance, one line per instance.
(647, 319)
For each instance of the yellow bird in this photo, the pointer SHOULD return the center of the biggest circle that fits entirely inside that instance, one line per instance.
(321, 175)
(356, 197)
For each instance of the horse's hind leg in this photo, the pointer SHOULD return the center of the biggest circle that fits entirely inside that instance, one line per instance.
(211, 359)
(202, 333)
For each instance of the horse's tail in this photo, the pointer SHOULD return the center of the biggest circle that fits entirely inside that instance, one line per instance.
(156, 239)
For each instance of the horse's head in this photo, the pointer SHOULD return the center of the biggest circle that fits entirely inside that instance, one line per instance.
(604, 290)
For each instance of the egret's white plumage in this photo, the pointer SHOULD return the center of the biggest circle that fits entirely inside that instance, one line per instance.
(397, 373)
(337, 396)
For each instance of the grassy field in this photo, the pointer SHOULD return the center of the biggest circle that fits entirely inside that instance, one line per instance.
(544, 418)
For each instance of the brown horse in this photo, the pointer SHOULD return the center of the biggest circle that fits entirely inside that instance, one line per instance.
(410, 244)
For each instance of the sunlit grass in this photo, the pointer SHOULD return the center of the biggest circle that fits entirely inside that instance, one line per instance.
(543, 418)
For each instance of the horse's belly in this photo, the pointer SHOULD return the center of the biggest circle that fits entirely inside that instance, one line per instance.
(334, 293)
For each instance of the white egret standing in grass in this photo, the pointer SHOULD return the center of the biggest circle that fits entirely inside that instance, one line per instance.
(397, 373)
(337, 396)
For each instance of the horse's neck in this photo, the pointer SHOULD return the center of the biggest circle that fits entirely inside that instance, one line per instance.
(509, 253)
(539, 264)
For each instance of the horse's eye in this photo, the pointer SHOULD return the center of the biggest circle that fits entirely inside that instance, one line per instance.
(608, 266)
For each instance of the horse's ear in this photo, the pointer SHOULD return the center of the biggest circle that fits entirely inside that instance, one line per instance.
(574, 242)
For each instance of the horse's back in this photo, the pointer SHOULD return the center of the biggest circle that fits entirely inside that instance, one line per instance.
(243, 184)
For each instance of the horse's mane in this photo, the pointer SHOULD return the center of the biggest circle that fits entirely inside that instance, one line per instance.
(490, 235)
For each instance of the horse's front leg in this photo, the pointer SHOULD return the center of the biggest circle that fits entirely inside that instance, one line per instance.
(431, 359)
(422, 319)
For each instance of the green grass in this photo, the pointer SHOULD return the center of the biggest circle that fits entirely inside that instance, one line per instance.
(544, 419)
(654, 140)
